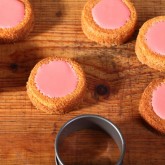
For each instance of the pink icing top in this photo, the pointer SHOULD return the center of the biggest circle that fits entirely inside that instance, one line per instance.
(56, 79)
(11, 13)
(156, 38)
(111, 14)
(158, 101)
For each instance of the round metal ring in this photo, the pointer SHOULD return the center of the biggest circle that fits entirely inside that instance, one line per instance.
(90, 122)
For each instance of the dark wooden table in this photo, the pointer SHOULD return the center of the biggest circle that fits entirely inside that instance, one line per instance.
(27, 135)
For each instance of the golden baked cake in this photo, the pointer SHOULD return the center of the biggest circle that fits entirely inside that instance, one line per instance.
(16, 20)
(150, 44)
(109, 22)
(152, 105)
(56, 85)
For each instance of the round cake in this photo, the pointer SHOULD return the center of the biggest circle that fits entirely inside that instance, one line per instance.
(16, 20)
(152, 105)
(109, 22)
(150, 44)
(56, 85)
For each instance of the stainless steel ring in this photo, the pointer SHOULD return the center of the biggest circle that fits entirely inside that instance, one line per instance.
(92, 122)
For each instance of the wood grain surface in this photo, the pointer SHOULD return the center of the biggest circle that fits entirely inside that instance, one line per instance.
(27, 135)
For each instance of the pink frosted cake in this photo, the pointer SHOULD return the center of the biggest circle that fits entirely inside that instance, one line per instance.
(109, 22)
(152, 105)
(56, 85)
(150, 47)
(16, 20)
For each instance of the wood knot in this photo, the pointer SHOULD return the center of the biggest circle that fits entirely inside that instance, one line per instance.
(58, 13)
(14, 67)
(102, 90)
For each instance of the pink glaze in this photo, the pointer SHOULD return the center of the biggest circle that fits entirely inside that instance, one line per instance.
(11, 13)
(111, 14)
(56, 79)
(156, 38)
(158, 101)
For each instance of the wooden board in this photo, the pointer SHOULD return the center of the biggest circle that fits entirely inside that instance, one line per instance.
(26, 135)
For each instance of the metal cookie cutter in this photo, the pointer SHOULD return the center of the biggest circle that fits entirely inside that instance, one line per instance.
(90, 122)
